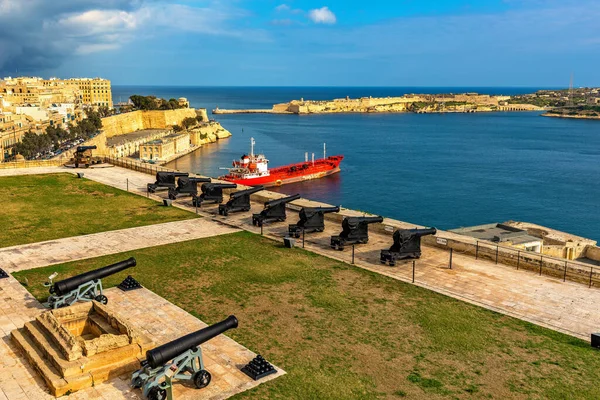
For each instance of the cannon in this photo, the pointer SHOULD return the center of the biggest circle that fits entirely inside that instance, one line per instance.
(239, 201)
(312, 219)
(180, 359)
(165, 180)
(186, 185)
(212, 192)
(83, 155)
(407, 244)
(274, 210)
(355, 230)
(84, 287)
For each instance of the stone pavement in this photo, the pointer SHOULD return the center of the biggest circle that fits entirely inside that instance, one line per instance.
(57, 251)
(151, 314)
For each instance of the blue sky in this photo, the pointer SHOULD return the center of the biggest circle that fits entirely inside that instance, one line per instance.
(535, 43)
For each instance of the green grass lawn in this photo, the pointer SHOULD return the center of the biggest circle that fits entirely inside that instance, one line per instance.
(43, 207)
(341, 332)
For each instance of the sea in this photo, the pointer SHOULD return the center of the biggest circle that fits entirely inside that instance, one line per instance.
(441, 170)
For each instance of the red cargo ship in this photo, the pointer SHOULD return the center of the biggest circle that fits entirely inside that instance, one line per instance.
(253, 170)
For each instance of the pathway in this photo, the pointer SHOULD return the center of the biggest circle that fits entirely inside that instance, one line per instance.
(34, 255)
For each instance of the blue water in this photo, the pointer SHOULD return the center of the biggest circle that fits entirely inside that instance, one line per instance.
(447, 171)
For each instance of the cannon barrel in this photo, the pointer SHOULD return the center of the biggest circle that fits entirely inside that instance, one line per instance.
(167, 173)
(367, 220)
(81, 149)
(241, 193)
(423, 232)
(168, 351)
(66, 285)
(210, 186)
(200, 180)
(324, 210)
(273, 203)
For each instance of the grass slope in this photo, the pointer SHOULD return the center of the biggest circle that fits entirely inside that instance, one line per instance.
(345, 333)
(43, 207)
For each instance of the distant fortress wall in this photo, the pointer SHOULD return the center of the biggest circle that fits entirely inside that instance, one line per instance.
(137, 120)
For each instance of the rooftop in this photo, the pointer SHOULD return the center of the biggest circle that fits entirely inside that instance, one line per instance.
(133, 136)
(169, 138)
(497, 233)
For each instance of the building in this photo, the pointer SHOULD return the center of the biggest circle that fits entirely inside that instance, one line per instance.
(503, 234)
(44, 92)
(128, 144)
(165, 148)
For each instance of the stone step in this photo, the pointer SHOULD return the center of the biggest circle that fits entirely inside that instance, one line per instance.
(58, 386)
(114, 370)
(103, 324)
(60, 342)
(109, 358)
(51, 351)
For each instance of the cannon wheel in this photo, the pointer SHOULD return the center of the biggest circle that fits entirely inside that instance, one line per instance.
(137, 383)
(101, 299)
(157, 393)
(202, 379)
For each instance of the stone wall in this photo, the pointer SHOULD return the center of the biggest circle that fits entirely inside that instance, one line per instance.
(137, 120)
(593, 253)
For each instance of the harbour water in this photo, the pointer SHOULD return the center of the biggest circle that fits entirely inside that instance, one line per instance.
(443, 170)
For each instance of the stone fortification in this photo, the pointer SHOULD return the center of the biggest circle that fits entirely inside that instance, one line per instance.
(208, 132)
(137, 120)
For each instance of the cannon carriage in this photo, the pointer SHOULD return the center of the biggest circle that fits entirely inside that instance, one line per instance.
(239, 201)
(355, 230)
(83, 157)
(165, 180)
(407, 244)
(312, 219)
(186, 186)
(212, 192)
(274, 210)
(179, 359)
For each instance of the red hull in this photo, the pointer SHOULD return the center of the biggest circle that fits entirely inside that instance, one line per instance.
(292, 173)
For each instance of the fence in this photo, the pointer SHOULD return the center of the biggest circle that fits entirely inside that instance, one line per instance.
(541, 264)
(136, 165)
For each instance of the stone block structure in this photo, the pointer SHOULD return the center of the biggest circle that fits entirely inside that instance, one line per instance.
(80, 346)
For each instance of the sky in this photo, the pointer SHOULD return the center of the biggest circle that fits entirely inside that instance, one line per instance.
(475, 43)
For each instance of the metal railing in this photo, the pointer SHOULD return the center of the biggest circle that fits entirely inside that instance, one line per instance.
(539, 263)
(134, 165)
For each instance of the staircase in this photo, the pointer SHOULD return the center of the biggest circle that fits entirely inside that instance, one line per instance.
(46, 352)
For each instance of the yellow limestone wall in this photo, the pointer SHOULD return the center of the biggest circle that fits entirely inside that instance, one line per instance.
(138, 120)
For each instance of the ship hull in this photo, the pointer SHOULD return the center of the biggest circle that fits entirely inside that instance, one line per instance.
(283, 175)
(268, 181)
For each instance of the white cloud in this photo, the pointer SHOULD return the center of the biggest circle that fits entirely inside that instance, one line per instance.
(322, 15)
(282, 7)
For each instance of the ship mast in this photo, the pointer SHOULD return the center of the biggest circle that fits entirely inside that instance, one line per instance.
(324, 151)
(252, 143)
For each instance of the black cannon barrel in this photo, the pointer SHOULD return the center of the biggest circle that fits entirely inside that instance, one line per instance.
(81, 149)
(169, 173)
(423, 231)
(66, 285)
(168, 351)
(211, 186)
(252, 190)
(200, 180)
(273, 203)
(307, 212)
(367, 220)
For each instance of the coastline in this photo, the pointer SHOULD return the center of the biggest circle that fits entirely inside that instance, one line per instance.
(570, 116)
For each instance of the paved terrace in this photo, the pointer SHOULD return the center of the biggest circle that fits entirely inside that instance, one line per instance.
(149, 313)
(563, 306)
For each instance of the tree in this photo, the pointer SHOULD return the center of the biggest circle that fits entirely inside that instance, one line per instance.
(188, 122)
(177, 128)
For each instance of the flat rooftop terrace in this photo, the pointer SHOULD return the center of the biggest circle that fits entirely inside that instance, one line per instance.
(133, 136)
(497, 233)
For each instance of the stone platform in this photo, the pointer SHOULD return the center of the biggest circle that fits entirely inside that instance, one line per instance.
(146, 312)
